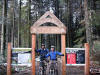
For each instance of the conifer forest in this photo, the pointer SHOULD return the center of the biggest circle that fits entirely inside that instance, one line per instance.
(81, 18)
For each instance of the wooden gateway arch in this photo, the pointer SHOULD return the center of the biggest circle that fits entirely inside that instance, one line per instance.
(58, 28)
(37, 28)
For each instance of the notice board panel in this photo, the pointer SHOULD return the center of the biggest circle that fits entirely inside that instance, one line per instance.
(71, 58)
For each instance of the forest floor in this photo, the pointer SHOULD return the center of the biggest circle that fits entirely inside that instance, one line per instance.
(72, 70)
(69, 71)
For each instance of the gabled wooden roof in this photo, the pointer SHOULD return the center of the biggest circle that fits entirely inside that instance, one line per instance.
(48, 17)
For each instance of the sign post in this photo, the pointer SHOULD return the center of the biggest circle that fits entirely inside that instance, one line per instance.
(33, 53)
(9, 59)
(64, 52)
(87, 63)
(84, 57)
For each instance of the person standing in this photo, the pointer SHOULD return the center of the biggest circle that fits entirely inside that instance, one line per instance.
(42, 52)
(53, 58)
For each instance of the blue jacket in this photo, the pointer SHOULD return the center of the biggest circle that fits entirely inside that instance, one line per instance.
(53, 55)
(42, 53)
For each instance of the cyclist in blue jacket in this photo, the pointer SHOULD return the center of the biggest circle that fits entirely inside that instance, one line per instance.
(53, 58)
(53, 54)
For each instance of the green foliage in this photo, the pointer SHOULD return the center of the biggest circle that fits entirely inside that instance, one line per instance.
(24, 11)
(1, 58)
(96, 24)
(61, 2)
(97, 45)
(79, 37)
(96, 19)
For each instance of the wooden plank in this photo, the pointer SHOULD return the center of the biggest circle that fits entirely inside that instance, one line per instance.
(75, 64)
(33, 53)
(87, 63)
(48, 30)
(63, 46)
(75, 48)
(9, 59)
(21, 48)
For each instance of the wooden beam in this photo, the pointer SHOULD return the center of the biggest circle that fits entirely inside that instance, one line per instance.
(9, 59)
(33, 53)
(63, 46)
(48, 30)
(87, 60)
(49, 20)
(53, 19)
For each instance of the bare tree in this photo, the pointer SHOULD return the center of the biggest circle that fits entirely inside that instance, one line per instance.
(19, 23)
(29, 22)
(88, 26)
(3, 30)
(13, 22)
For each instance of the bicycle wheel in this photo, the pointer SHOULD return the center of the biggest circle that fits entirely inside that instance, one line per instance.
(56, 72)
(40, 72)
(51, 72)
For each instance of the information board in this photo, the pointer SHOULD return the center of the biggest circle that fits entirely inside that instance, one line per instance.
(24, 58)
(21, 55)
(75, 55)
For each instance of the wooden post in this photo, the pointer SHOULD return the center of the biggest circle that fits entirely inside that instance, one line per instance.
(63, 45)
(87, 63)
(33, 53)
(9, 59)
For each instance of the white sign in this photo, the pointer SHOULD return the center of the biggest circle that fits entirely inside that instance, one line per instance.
(24, 58)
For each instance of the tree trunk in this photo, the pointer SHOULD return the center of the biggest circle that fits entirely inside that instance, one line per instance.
(29, 23)
(69, 39)
(58, 41)
(13, 22)
(19, 24)
(3, 30)
(88, 26)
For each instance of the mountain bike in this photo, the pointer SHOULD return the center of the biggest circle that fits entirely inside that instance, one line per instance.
(53, 68)
(42, 68)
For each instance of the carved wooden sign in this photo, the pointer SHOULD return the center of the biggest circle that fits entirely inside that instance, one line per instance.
(48, 17)
(49, 24)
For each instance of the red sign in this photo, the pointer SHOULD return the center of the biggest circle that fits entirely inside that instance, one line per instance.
(71, 58)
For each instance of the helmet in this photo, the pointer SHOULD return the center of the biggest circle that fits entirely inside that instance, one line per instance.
(43, 45)
(52, 46)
